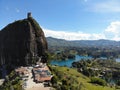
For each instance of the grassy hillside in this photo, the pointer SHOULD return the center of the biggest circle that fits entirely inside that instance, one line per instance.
(70, 79)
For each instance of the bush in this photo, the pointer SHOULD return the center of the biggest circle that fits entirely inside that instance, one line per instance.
(64, 87)
(98, 81)
(54, 80)
(64, 82)
(118, 82)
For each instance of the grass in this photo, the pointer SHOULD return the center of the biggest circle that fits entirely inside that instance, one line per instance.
(81, 80)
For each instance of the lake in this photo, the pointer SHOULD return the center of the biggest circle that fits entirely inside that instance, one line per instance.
(118, 60)
(69, 62)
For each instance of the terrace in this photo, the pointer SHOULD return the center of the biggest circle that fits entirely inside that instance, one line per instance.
(35, 77)
(41, 74)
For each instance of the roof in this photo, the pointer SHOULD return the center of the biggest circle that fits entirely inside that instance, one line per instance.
(42, 74)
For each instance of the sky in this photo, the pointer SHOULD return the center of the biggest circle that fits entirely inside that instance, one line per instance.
(67, 19)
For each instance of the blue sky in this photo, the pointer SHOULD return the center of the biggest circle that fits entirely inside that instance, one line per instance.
(67, 19)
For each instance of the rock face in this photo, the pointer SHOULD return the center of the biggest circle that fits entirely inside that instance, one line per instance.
(22, 42)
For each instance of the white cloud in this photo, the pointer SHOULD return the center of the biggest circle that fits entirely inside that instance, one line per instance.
(73, 35)
(104, 6)
(114, 27)
(113, 31)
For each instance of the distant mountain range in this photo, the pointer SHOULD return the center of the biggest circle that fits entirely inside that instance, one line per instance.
(82, 43)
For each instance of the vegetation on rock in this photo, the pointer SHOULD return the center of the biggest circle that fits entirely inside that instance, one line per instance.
(12, 82)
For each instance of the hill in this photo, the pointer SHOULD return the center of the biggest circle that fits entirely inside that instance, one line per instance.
(68, 78)
(82, 43)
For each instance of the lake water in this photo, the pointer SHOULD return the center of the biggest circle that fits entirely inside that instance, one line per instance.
(118, 60)
(69, 62)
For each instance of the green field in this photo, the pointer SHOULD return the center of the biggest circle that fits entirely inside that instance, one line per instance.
(75, 79)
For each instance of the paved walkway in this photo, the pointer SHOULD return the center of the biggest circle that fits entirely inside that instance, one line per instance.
(39, 88)
(31, 85)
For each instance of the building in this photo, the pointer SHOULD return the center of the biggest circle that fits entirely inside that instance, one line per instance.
(29, 15)
(22, 71)
(42, 74)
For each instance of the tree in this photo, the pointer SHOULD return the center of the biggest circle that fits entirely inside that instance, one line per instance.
(108, 76)
(64, 82)
(118, 82)
(64, 87)
(54, 80)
